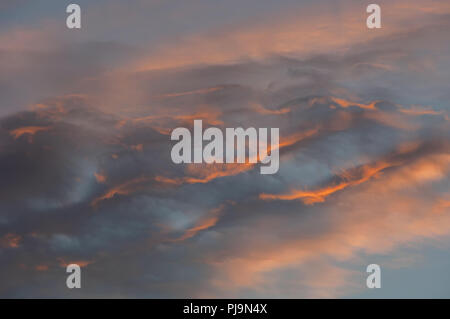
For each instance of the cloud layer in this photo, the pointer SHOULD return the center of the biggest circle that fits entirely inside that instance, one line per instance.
(87, 176)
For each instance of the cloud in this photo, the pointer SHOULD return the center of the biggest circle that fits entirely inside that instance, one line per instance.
(87, 176)
(10, 241)
(288, 35)
(29, 130)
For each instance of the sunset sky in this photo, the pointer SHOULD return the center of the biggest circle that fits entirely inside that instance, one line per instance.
(86, 175)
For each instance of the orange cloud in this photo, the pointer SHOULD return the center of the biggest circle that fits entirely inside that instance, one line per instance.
(28, 130)
(199, 91)
(100, 178)
(314, 32)
(122, 189)
(285, 37)
(205, 223)
(210, 117)
(138, 147)
(10, 241)
(207, 172)
(350, 178)
(395, 209)
(55, 108)
(420, 111)
(81, 263)
(41, 267)
(344, 103)
(164, 123)
(260, 109)
(308, 197)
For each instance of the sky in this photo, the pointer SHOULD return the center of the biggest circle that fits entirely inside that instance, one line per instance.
(86, 174)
